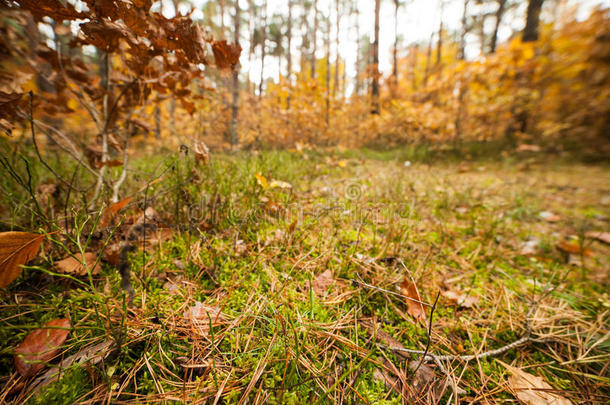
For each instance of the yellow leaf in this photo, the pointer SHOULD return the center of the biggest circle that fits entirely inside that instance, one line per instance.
(262, 181)
(342, 163)
(279, 184)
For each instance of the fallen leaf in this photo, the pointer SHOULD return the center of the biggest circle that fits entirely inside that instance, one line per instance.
(111, 210)
(279, 184)
(524, 147)
(90, 354)
(16, 249)
(600, 236)
(322, 282)
(573, 248)
(40, 346)
(414, 306)
(424, 383)
(342, 163)
(549, 216)
(461, 299)
(531, 389)
(201, 152)
(72, 265)
(199, 316)
(262, 181)
(530, 247)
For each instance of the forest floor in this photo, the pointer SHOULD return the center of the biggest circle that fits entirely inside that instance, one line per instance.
(319, 287)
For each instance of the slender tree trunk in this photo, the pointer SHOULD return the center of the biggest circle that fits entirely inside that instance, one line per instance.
(463, 32)
(439, 42)
(172, 116)
(395, 50)
(532, 22)
(235, 103)
(337, 58)
(315, 39)
(222, 17)
(499, 15)
(375, 83)
(428, 58)
(157, 122)
(251, 22)
(263, 48)
(328, 66)
(358, 62)
(289, 53)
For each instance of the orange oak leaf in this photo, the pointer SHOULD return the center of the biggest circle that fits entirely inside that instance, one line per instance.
(16, 249)
(41, 346)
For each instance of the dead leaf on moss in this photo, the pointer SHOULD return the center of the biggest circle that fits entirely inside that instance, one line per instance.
(461, 299)
(41, 346)
(573, 248)
(415, 307)
(600, 236)
(531, 389)
(72, 265)
(322, 282)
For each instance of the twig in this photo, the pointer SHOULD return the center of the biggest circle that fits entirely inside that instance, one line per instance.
(429, 333)
(468, 357)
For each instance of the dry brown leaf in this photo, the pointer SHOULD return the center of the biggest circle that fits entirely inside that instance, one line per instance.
(531, 389)
(90, 355)
(199, 316)
(72, 265)
(461, 299)
(16, 249)
(415, 308)
(573, 248)
(201, 152)
(225, 55)
(41, 346)
(111, 210)
(322, 282)
(600, 236)
(549, 216)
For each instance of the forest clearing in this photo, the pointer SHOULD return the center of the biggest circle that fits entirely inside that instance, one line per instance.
(233, 202)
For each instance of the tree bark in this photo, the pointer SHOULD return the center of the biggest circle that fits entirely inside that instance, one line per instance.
(375, 81)
(315, 39)
(337, 59)
(263, 46)
(463, 32)
(532, 22)
(289, 53)
(395, 50)
(235, 103)
(499, 15)
(357, 89)
(327, 115)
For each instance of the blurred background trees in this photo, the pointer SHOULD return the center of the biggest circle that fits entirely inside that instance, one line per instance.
(515, 70)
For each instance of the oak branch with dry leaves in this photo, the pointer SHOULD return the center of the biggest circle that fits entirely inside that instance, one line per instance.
(143, 57)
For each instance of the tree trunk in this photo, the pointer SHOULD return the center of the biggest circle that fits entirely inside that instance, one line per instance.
(463, 32)
(375, 83)
(357, 89)
(337, 59)
(439, 42)
(235, 103)
(327, 116)
(289, 53)
(395, 50)
(315, 38)
(532, 22)
(499, 15)
(263, 45)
